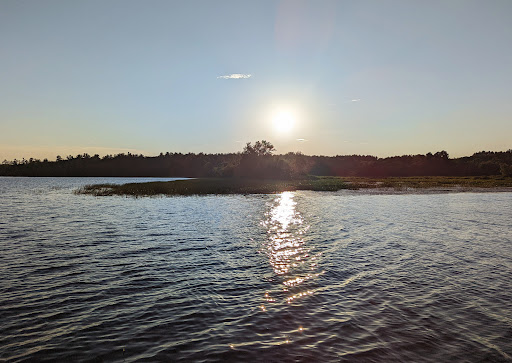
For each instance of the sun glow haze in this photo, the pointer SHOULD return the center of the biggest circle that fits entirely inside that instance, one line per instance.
(343, 75)
(284, 121)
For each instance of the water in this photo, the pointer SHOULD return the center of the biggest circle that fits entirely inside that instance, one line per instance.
(300, 276)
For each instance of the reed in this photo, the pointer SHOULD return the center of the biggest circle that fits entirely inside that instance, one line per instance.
(206, 186)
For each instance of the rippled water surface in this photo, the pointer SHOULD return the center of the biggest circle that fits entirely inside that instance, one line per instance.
(298, 276)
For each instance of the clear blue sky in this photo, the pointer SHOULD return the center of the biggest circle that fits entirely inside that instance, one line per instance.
(357, 77)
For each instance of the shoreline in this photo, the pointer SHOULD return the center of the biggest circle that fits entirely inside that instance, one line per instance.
(410, 190)
(222, 186)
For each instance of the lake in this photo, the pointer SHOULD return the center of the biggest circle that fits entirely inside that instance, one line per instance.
(297, 276)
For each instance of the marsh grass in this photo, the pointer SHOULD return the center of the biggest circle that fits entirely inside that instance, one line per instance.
(205, 186)
(433, 182)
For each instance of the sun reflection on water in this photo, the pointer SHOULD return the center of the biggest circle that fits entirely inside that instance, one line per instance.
(294, 265)
(287, 250)
(285, 231)
(284, 212)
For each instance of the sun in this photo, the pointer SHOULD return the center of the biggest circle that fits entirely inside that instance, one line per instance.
(284, 121)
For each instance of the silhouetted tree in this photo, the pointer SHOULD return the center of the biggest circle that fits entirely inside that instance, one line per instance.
(258, 161)
(260, 148)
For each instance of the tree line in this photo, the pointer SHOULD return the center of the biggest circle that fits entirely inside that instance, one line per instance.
(258, 160)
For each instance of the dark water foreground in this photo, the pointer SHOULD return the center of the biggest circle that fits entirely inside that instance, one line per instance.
(297, 276)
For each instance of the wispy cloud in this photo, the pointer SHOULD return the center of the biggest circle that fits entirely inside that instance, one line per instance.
(235, 76)
(301, 140)
(345, 102)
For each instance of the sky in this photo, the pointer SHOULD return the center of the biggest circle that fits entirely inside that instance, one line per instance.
(382, 77)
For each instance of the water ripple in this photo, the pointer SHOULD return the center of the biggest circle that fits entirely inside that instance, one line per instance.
(298, 276)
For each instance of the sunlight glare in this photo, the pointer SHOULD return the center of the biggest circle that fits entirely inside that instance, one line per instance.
(284, 121)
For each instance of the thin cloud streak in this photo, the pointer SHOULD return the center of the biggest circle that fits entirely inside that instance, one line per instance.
(235, 76)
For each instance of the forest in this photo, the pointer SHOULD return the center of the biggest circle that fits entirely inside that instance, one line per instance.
(259, 160)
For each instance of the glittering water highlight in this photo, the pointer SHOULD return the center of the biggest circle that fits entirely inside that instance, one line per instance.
(298, 276)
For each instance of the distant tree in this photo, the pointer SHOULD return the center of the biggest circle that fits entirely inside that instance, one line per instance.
(257, 160)
(506, 170)
(442, 155)
(260, 148)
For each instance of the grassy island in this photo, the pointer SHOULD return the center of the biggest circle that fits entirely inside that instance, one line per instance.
(206, 186)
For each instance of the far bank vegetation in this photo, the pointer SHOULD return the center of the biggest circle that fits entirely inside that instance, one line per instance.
(259, 161)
